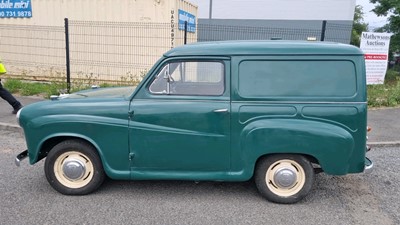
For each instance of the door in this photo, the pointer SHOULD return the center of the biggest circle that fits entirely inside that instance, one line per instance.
(181, 122)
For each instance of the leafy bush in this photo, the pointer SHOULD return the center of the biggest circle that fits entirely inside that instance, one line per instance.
(391, 77)
(32, 88)
(13, 85)
(388, 94)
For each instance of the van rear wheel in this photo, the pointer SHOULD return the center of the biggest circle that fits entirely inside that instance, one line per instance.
(284, 178)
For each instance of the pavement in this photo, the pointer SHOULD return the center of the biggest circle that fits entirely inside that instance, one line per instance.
(385, 122)
(8, 121)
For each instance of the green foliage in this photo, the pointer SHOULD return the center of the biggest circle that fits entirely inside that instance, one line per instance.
(57, 84)
(358, 26)
(13, 85)
(132, 79)
(31, 88)
(389, 8)
(387, 94)
(82, 84)
(392, 77)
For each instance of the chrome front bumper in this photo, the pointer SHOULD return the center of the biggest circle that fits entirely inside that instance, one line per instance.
(21, 156)
(369, 165)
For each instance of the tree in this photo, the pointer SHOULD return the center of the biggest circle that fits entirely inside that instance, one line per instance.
(358, 26)
(390, 8)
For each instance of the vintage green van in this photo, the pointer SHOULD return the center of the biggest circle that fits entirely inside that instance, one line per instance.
(275, 111)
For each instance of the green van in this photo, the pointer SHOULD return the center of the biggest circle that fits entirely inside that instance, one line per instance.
(275, 111)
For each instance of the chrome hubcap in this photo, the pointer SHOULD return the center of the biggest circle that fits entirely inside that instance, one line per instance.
(285, 178)
(74, 169)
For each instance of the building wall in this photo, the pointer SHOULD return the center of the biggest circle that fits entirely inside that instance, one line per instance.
(237, 29)
(109, 39)
(286, 19)
(113, 39)
(277, 9)
(53, 12)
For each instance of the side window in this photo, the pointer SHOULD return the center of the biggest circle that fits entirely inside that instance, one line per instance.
(190, 78)
(308, 78)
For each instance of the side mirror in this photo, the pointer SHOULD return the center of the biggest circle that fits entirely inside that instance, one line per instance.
(167, 77)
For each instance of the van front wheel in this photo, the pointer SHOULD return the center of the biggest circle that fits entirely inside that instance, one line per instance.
(284, 178)
(73, 167)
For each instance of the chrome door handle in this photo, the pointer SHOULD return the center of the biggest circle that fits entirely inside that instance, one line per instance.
(220, 110)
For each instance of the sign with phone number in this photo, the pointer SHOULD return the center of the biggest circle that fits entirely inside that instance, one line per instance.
(189, 18)
(15, 9)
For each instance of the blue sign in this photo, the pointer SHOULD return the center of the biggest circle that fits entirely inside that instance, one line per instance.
(15, 9)
(190, 18)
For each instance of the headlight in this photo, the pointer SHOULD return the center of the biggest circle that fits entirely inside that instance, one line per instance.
(18, 113)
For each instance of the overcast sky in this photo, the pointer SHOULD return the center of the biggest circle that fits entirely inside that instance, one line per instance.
(369, 17)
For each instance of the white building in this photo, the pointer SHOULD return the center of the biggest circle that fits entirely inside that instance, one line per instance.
(117, 39)
(109, 39)
(342, 10)
(286, 19)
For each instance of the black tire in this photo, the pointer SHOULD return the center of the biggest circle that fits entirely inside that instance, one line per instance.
(75, 180)
(285, 190)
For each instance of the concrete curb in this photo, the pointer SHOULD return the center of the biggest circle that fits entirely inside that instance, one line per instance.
(384, 143)
(10, 127)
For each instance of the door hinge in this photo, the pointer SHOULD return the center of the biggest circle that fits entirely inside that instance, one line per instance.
(131, 156)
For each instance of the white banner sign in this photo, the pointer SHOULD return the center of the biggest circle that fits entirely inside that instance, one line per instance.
(375, 47)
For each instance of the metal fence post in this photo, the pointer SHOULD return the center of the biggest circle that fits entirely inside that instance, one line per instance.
(323, 30)
(185, 35)
(67, 54)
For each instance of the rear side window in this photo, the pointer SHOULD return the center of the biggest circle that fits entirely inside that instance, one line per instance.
(297, 79)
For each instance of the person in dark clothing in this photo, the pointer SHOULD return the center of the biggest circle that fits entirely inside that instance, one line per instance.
(6, 95)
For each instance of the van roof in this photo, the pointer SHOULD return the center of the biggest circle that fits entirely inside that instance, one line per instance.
(276, 47)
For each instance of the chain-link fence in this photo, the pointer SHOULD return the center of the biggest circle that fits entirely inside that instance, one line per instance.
(33, 52)
(220, 33)
(122, 52)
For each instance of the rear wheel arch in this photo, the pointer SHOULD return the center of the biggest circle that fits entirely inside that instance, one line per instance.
(310, 158)
(320, 141)
(333, 159)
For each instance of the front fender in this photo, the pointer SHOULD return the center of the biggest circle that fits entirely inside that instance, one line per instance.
(330, 144)
(108, 136)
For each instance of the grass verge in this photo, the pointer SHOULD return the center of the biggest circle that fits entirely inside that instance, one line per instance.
(33, 88)
(387, 94)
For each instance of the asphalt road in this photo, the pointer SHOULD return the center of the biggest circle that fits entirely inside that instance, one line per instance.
(27, 198)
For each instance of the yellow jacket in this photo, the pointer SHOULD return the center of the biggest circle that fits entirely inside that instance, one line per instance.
(2, 68)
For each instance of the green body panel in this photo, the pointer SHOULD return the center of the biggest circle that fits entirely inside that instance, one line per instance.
(140, 135)
(332, 129)
(179, 135)
(247, 48)
(102, 122)
(338, 148)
